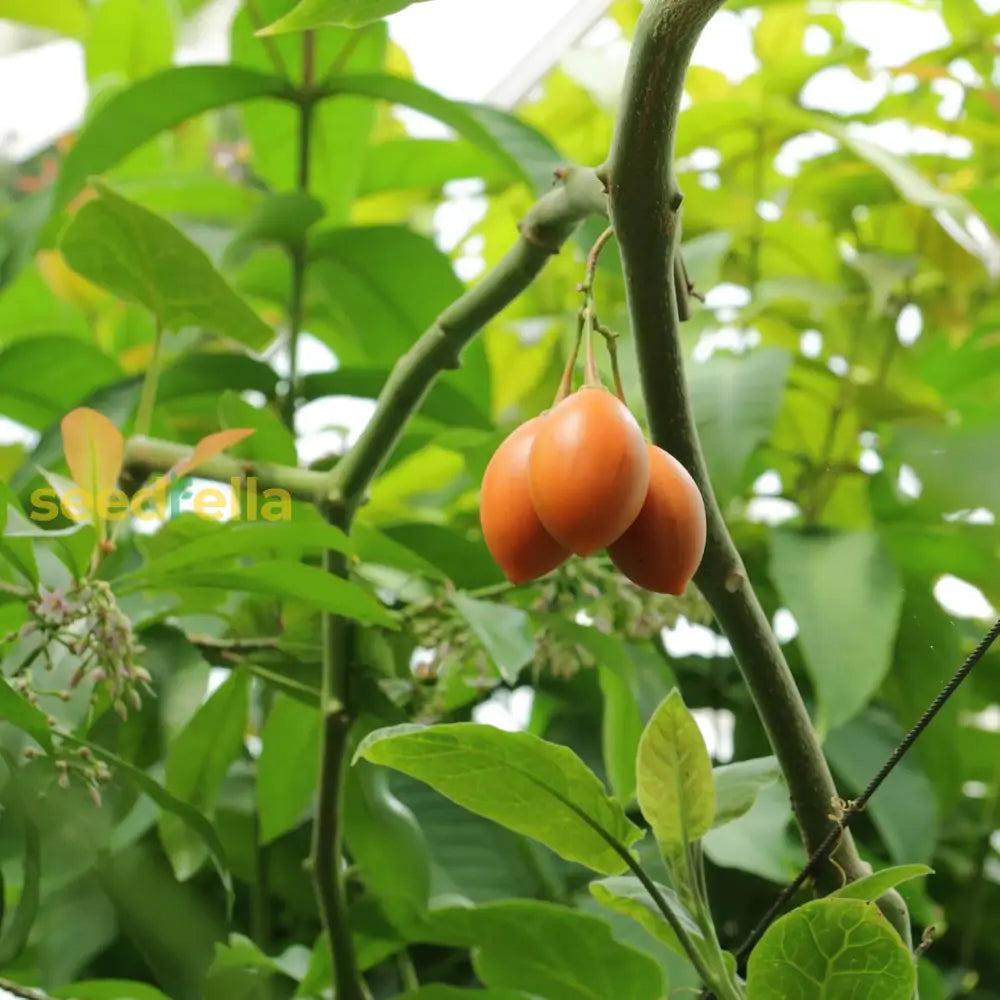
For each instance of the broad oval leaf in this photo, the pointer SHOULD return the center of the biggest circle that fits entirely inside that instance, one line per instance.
(94, 449)
(132, 117)
(442, 991)
(831, 948)
(535, 788)
(674, 776)
(142, 258)
(871, 887)
(546, 950)
(738, 785)
(109, 989)
(846, 631)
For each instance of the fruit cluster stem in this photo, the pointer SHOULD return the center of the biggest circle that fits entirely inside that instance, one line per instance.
(645, 210)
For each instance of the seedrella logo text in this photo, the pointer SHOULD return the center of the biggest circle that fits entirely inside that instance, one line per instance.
(94, 451)
(164, 500)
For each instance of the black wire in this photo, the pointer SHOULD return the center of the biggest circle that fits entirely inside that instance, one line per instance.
(832, 838)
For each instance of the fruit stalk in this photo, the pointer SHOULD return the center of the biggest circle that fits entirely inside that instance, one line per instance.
(645, 210)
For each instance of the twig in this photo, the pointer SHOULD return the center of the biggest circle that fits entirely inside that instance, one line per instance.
(24, 991)
(150, 454)
(645, 206)
(543, 231)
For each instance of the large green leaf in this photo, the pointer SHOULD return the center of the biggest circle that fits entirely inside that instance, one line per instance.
(736, 401)
(674, 776)
(535, 788)
(197, 762)
(287, 766)
(441, 991)
(546, 950)
(242, 538)
(846, 597)
(282, 579)
(73, 369)
(133, 116)
(828, 949)
(143, 258)
(309, 14)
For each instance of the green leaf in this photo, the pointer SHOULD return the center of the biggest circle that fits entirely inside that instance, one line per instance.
(242, 538)
(408, 164)
(74, 368)
(142, 258)
(674, 776)
(20, 713)
(949, 464)
(240, 952)
(871, 887)
(535, 788)
(193, 819)
(309, 14)
(759, 841)
(68, 17)
(547, 950)
(505, 633)
(621, 731)
(282, 218)
(738, 785)
(386, 841)
(441, 991)
(129, 39)
(286, 769)
(197, 373)
(625, 894)
(492, 130)
(197, 762)
(108, 989)
(736, 401)
(282, 579)
(133, 116)
(831, 948)
(845, 595)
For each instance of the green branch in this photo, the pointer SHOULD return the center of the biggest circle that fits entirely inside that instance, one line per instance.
(547, 225)
(151, 455)
(578, 195)
(645, 210)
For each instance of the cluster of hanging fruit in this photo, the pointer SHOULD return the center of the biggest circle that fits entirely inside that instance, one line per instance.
(581, 477)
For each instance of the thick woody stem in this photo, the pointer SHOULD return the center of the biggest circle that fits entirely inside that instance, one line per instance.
(645, 210)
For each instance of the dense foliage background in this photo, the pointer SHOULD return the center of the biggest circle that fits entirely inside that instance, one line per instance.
(845, 373)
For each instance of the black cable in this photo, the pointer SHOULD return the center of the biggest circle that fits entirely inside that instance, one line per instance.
(857, 805)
